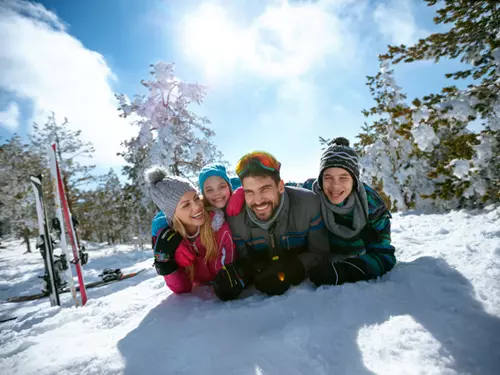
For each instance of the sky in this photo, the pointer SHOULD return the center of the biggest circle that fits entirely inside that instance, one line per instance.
(279, 73)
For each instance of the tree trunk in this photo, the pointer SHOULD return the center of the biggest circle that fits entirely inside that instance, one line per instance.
(26, 237)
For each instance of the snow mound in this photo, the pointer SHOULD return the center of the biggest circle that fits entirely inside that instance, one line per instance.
(437, 312)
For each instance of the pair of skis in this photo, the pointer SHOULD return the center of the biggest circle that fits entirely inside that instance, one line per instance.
(64, 216)
(95, 284)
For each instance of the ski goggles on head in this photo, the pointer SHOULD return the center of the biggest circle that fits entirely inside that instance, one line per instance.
(262, 159)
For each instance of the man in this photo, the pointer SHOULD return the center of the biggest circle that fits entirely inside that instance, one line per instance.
(358, 222)
(279, 234)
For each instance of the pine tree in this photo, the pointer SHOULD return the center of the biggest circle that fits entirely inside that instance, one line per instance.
(112, 209)
(136, 195)
(465, 165)
(389, 158)
(18, 210)
(174, 136)
(105, 212)
(70, 149)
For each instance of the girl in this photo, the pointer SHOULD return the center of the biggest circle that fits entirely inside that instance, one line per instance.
(215, 186)
(196, 244)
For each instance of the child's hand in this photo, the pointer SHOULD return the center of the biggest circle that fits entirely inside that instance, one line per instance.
(236, 202)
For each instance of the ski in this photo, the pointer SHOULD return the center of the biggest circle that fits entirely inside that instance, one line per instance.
(91, 285)
(69, 225)
(46, 241)
(4, 320)
(63, 243)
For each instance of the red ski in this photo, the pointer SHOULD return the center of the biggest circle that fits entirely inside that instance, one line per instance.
(71, 231)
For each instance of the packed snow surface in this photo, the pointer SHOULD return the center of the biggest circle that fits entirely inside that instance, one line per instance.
(437, 312)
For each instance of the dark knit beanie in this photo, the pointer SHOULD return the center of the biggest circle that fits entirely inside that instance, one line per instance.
(339, 155)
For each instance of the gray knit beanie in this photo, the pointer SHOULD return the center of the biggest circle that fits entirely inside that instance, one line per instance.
(167, 190)
(339, 155)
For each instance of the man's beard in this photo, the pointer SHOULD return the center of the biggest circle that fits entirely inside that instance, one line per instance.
(268, 211)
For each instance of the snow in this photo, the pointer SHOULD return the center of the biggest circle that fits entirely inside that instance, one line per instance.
(460, 167)
(425, 138)
(437, 312)
(484, 149)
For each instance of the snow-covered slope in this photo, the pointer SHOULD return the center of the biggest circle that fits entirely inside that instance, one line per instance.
(437, 312)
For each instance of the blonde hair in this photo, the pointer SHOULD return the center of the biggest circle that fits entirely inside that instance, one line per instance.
(207, 237)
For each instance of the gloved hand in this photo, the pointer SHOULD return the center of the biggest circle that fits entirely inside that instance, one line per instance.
(280, 275)
(185, 256)
(228, 283)
(347, 271)
(233, 278)
(236, 202)
(166, 244)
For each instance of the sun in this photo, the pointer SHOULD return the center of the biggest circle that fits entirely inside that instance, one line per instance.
(211, 40)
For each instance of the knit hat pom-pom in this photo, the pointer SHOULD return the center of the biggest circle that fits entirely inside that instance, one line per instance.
(155, 174)
(340, 141)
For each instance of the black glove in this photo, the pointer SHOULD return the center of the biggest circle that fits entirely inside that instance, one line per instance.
(228, 283)
(347, 271)
(233, 278)
(167, 242)
(277, 278)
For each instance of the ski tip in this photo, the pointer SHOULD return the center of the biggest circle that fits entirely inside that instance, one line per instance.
(4, 320)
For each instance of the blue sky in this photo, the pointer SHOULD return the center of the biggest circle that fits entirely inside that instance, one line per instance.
(279, 73)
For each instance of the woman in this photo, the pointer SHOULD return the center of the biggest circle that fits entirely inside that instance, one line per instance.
(358, 222)
(196, 244)
(216, 187)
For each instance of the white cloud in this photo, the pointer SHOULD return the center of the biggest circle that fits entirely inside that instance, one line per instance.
(288, 41)
(286, 45)
(309, 53)
(296, 106)
(396, 22)
(40, 61)
(9, 118)
(35, 11)
(284, 41)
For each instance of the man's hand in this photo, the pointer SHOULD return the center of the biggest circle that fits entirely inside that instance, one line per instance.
(279, 276)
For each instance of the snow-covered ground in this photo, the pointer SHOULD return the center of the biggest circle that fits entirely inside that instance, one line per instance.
(437, 312)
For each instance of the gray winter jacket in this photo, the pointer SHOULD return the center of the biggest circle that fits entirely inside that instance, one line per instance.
(299, 229)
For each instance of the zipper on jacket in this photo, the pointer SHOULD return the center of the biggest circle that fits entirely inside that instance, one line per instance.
(195, 248)
(273, 243)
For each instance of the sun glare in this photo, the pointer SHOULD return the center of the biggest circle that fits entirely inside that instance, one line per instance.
(211, 39)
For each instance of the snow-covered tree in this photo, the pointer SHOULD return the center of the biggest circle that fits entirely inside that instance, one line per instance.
(173, 135)
(466, 165)
(139, 202)
(424, 152)
(18, 210)
(70, 150)
(389, 159)
(170, 134)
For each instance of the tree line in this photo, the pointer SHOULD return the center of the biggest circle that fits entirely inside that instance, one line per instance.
(420, 153)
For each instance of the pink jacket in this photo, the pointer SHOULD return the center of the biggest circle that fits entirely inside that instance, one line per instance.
(179, 281)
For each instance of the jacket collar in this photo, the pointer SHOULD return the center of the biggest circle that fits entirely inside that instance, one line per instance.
(281, 221)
